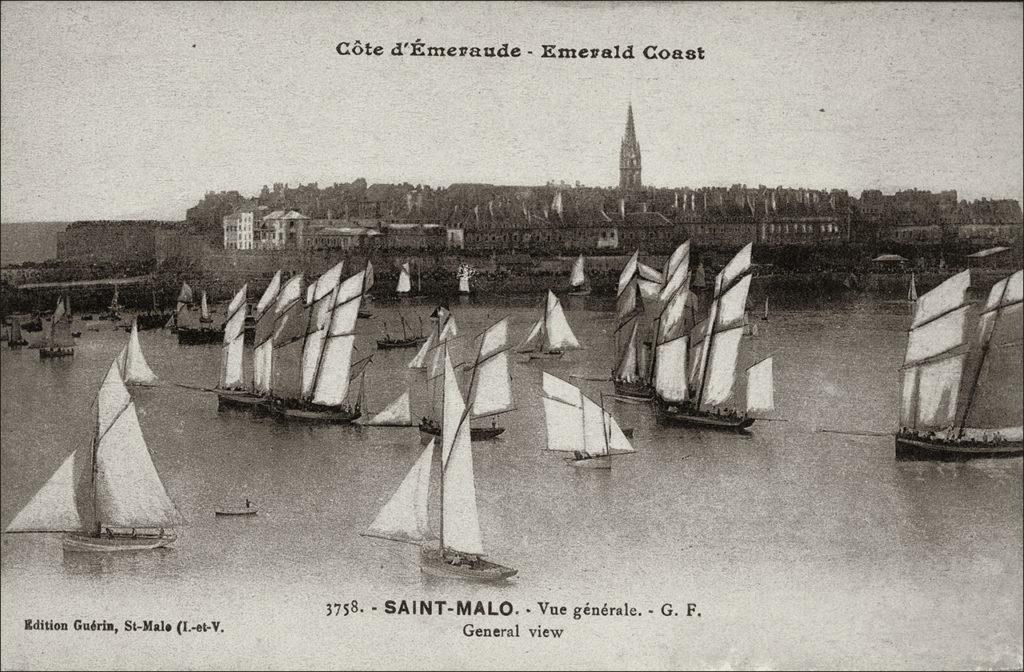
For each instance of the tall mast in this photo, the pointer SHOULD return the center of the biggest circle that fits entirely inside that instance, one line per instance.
(323, 346)
(981, 360)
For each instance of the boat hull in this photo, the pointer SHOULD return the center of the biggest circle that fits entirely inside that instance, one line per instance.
(400, 343)
(189, 336)
(312, 413)
(433, 563)
(639, 391)
(475, 433)
(545, 355)
(84, 543)
(53, 353)
(251, 511)
(921, 449)
(601, 462)
(688, 416)
(239, 400)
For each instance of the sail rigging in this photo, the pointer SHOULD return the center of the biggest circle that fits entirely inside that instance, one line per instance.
(490, 390)
(263, 348)
(460, 523)
(404, 517)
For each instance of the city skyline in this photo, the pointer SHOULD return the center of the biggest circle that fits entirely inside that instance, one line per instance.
(110, 116)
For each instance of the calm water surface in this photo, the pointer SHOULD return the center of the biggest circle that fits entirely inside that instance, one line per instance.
(802, 549)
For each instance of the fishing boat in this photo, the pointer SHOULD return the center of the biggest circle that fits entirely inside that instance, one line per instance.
(406, 341)
(490, 384)
(114, 311)
(631, 375)
(578, 283)
(184, 301)
(108, 496)
(227, 510)
(695, 372)
(198, 327)
(459, 553)
(404, 281)
(551, 336)
(231, 390)
(132, 363)
(16, 339)
(577, 425)
(312, 365)
(58, 341)
(961, 397)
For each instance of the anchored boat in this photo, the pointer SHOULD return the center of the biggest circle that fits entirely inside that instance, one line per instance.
(406, 341)
(961, 398)
(132, 363)
(577, 425)
(551, 336)
(196, 329)
(578, 283)
(107, 496)
(632, 374)
(58, 340)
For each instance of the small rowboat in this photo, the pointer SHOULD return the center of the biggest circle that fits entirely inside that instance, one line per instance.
(249, 509)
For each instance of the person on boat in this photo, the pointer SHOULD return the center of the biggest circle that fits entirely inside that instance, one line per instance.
(110, 533)
(247, 502)
(494, 423)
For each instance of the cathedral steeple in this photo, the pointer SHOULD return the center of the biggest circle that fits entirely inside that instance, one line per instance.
(629, 157)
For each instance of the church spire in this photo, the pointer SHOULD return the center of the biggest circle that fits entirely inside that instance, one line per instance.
(629, 157)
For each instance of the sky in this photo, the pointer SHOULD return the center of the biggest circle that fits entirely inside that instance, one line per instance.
(126, 111)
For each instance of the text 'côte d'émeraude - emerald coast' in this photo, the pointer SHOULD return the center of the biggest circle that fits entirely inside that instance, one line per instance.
(651, 52)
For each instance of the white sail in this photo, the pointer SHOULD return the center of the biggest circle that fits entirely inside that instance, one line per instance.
(333, 374)
(670, 370)
(234, 337)
(721, 366)
(628, 369)
(678, 316)
(269, 295)
(404, 517)
(404, 281)
(134, 369)
(733, 304)
(677, 266)
(563, 414)
(263, 360)
(533, 340)
(558, 334)
(648, 273)
(937, 386)
(649, 289)
(204, 308)
(949, 295)
(464, 283)
(185, 297)
(326, 283)
(761, 387)
(459, 518)
(62, 504)
(628, 271)
(578, 278)
(912, 291)
(697, 361)
(492, 391)
(736, 267)
(397, 414)
(420, 360)
(937, 336)
(321, 299)
(369, 279)
(595, 437)
(449, 331)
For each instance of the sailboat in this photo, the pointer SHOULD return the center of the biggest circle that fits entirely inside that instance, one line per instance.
(107, 495)
(274, 304)
(404, 281)
(578, 425)
(132, 363)
(631, 375)
(551, 336)
(406, 341)
(312, 365)
(578, 283)
(912, 290)
(459, 553)
(960, 397)
(695, 373)
(490, 385)
(231, 390)
(58, 341)
(196, 329)
(184, 301)
(16, 339)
